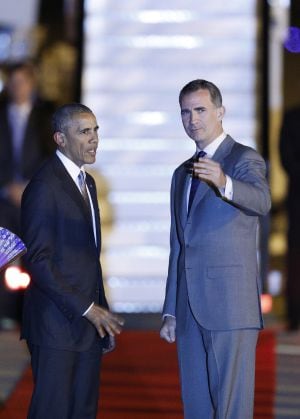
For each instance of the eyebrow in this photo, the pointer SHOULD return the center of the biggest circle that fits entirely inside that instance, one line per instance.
(89, 128)
(197, 108)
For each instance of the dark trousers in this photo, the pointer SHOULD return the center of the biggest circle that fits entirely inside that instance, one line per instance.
(66, 383)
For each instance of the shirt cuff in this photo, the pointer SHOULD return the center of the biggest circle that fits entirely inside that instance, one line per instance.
(227, 192)
(88, 309)
(168, 315)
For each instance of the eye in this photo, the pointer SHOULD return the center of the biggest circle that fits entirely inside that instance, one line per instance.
(85, 131)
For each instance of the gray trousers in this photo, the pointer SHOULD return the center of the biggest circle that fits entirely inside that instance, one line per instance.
(217, 370)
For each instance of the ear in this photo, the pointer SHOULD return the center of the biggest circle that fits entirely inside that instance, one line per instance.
(59, 138)
(220, 113)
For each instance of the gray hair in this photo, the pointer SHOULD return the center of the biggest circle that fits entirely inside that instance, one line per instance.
(64, 114)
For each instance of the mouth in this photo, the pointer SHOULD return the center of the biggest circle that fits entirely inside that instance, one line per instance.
(92, 152)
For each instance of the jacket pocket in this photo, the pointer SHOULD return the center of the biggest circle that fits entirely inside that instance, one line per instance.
(222, 272)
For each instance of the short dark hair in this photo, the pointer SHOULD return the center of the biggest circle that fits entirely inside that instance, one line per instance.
(27, 67)
(65, 113)
(200, 84)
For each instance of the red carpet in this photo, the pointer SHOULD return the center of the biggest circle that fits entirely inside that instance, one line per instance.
(140, 381)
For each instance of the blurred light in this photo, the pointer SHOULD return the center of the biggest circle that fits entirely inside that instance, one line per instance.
(266, 303)
(148, 118)
(274, 281)
(15, 279)
(292, 43)
(139, 197)
(279, 3)
(126, 307)
(5, 41)
(166, 41)
(163, 16)
(143, 144)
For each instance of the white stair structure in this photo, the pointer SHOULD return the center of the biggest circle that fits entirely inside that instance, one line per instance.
(138, 55)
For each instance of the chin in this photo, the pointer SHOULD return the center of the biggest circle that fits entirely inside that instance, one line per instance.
(90, 161)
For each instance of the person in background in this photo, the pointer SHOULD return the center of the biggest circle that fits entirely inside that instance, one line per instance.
(290, 158)
(66, 320)
(212, 303)
(25, 128)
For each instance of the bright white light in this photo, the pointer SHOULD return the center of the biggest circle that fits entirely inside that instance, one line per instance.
(163, 41)
(15, 279)
(162, 16)
(139, 197)
(146, 307)
(274, 282)
(148, 118)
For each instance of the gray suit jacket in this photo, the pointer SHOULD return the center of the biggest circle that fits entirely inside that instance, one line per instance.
(214, 247)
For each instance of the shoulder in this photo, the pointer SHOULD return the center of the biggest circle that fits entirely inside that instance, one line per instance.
(240, 151)
(45, 176)
(45, 169)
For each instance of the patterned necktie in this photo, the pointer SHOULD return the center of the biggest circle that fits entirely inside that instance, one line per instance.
(195, 182)
(83, 189)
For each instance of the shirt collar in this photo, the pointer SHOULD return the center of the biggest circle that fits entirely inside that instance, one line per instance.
(212, 147)
(70, 166)
(23, 109)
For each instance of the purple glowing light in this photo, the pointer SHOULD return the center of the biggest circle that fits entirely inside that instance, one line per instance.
(292, 42)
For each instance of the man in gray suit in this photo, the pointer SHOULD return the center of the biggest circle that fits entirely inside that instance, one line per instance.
(212, 304)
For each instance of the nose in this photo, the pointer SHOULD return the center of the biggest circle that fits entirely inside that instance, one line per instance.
(94, 137)
(193, 117)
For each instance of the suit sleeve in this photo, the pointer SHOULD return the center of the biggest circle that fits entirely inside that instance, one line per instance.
(251, 191)
(171, 285)
(39, 215)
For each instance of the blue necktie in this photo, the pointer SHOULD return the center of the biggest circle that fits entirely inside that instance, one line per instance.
(195, 182)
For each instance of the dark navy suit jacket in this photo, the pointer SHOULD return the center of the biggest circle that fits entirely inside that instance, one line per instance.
(37, 143)
(63, 260)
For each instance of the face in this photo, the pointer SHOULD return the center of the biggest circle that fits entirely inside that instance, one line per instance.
(80, 140)
(20, 86)
(201, 119)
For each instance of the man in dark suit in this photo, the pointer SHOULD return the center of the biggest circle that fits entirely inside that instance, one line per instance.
(212, 304)
(66, 319)
(25, 133)
(290, 158)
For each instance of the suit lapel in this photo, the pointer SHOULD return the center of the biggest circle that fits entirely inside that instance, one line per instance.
(71, 189)
(93, 192)
(181, 193)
